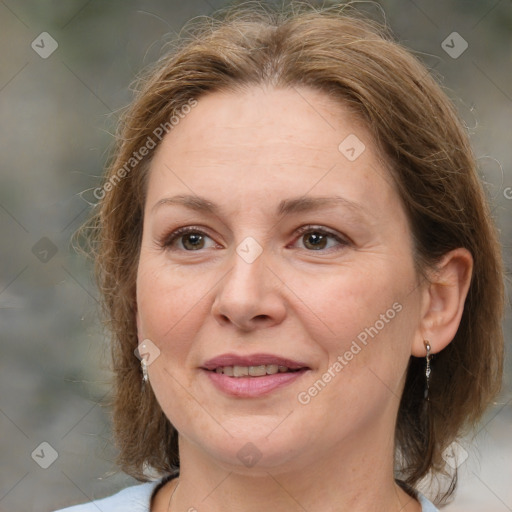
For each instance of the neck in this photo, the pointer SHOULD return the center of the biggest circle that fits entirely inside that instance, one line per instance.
(351, 478)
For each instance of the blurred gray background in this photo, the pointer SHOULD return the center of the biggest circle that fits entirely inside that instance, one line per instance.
(59, 97)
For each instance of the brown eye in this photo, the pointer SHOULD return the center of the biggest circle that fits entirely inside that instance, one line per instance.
(314, 240)
(186, 239)
(318, 239)
(193, 241)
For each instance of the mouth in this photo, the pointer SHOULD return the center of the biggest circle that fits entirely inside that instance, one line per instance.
(256, 365)
(252, 376)
(254, 371)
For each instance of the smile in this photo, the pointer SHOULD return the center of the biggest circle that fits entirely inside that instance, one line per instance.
(252, 376)
(253, 371)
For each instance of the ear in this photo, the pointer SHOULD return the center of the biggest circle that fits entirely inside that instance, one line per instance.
(138, 321)
(443, 301)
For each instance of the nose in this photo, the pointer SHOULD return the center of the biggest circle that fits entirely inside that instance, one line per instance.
(249, 296)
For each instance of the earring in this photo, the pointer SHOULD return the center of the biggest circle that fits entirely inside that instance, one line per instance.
(427, 369)
(144, 365)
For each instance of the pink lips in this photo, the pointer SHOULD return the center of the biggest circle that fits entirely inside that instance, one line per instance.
(252, 387)
(252, 360)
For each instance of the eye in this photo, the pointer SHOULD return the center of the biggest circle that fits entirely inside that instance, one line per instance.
(317, 239)
(191, 238)
(187, 238)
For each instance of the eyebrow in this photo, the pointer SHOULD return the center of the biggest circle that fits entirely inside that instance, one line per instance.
(286, 206)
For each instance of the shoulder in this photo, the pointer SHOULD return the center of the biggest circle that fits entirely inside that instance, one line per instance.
(136, 499)
(426, 505)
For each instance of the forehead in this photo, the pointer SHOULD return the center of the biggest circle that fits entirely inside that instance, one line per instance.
(266, 143)
(259, 115)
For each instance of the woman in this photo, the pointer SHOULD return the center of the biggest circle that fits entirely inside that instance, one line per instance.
(293, 241)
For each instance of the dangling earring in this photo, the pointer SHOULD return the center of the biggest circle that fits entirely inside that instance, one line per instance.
(427, 370)
(144, 365)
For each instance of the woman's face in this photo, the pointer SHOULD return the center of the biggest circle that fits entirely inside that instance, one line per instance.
(297, 254)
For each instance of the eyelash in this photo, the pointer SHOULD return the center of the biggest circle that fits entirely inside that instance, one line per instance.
(169, 240)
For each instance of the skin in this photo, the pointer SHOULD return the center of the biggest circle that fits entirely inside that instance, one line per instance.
(246, 152)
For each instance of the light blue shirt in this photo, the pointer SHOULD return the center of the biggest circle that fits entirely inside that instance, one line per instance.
(138, 497)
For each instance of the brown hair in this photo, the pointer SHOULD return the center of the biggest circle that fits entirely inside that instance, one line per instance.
(418, 133)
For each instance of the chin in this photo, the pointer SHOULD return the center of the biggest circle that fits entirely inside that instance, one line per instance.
(248, 451)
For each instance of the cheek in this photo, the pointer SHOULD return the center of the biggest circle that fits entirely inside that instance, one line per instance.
(168, 304)
(170, 313)
(352, 301)
(364, 322)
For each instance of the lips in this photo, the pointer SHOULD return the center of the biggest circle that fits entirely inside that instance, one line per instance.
(252, 376)
(227, 360)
